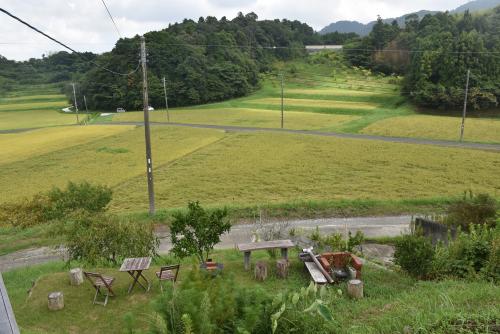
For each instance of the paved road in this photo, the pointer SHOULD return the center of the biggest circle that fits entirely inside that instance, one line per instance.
(447, 143)
(370, 226)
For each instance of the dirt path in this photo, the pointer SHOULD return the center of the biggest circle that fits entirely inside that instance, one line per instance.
(405, 140)
(370, 226)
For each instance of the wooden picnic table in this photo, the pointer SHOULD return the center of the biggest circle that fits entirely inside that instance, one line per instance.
(247, 248)
(135, 266)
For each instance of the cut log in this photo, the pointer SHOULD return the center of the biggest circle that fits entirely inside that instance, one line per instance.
(76, 276)
(56, 301)
(282, 268)
(261, 271)
(355, 288)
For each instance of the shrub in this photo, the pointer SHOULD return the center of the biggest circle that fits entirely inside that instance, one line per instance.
(56, 204)
(335, 242)
(473, 209)
(415, 254)
(469, 255)
(78, 196)
(107, 239)
(216, 305)
(197, 231)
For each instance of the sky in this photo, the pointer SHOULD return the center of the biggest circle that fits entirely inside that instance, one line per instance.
(85, 25)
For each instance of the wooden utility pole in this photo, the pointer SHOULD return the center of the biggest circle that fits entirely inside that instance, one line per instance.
(76, 105)
(86, 109)
(282, 98)
(85, 101)
(166, 99)
(465, 106)
(149, 160)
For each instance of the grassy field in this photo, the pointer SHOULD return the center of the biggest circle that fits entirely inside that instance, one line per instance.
(312, 91)
(34, 107)
(242, 169)
(392, 301)
(448, 128)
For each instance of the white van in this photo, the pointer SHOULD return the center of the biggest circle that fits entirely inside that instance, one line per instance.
(120, 110)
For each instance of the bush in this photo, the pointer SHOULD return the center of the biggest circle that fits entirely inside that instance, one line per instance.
(197, 231)
(56, 204)
(78, 196)
(477, 210)
(216, 305)
(107, 239)
(415, 254)
(469, 255)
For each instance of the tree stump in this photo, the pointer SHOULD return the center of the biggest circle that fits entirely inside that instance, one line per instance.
(282, 268)
(261, 271)
(56, 301)
(355, 288)
(76, 276)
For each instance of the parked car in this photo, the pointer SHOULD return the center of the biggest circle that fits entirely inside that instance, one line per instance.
(150, 108)
(120, 110)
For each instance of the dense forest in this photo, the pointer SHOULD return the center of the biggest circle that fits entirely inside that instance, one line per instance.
(434, 54)
(54, 68)
(205, 61)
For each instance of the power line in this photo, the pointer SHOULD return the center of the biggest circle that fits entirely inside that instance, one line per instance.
(111, 17)
(67, 47)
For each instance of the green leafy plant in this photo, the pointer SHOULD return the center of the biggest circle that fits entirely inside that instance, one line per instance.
(107, 239)
(306, 311)
(473, 210)
(56, 204)
(415, 254)
(197, 231)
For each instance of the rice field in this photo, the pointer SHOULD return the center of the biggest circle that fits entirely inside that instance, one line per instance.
(262, 118)
(311, 103)
(437, 127)
(221, 168)
(31, 108)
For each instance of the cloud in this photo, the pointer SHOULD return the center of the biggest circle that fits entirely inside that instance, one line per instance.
(86, 26)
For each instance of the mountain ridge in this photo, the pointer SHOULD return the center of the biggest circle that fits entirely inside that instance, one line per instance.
(362, 29)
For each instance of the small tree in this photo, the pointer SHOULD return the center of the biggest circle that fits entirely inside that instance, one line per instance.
(197, 231)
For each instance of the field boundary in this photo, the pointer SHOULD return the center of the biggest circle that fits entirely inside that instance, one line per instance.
(404, 140)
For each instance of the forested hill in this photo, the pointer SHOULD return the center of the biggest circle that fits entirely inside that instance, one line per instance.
(205, 61)
(434, 54)
(364, 29)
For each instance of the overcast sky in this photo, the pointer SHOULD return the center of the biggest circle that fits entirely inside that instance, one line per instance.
(86, 26)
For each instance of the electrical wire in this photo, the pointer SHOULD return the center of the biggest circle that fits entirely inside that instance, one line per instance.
(67, 47)
(111, 17)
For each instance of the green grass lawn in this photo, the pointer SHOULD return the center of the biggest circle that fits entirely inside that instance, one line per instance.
(392, 300)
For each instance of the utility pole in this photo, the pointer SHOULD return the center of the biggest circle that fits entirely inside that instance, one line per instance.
(166, 99)
(86, 109)
(282, 98)
(149, 161)
(85, 101)
(76, 105)
(465, 106)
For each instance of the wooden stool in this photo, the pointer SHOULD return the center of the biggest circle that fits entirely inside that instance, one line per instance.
(261, 271)
(56, 301)
(76, 276)
(282, 268)
(355, 288)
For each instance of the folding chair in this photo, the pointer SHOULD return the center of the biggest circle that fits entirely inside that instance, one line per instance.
(99, 281)
(168, 273)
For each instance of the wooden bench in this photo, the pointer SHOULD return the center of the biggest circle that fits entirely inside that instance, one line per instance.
(248, 248)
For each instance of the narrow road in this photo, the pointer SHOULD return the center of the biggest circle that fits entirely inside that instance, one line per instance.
(405, 140)
(371, 227)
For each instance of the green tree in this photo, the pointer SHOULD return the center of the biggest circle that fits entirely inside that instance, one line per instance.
(197, 231)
